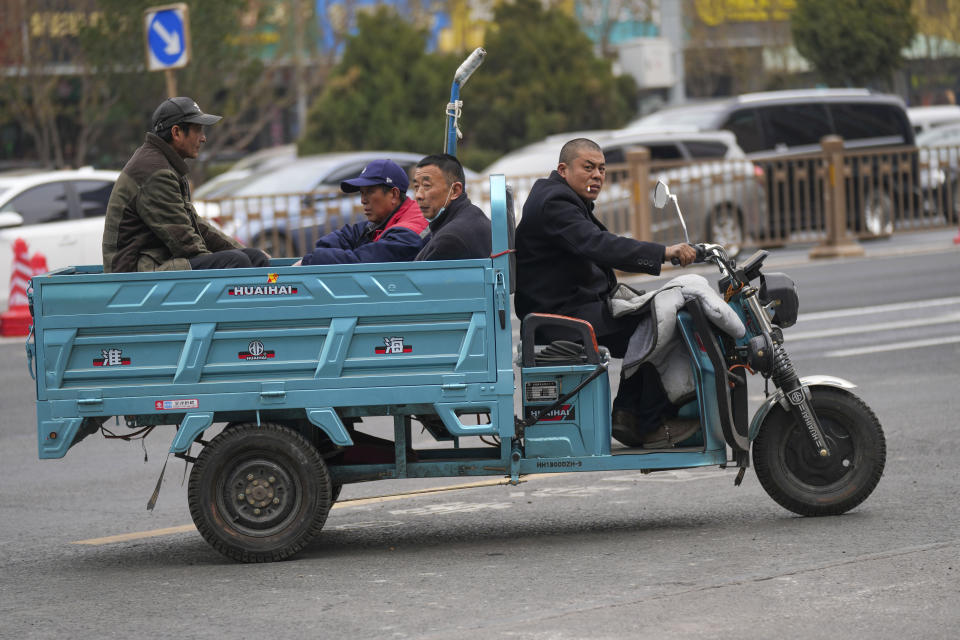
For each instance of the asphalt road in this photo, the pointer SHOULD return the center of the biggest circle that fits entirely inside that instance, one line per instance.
(680, 554)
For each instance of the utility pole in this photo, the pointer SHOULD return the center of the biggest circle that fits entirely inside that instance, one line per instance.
(671, 27)
(299, 84)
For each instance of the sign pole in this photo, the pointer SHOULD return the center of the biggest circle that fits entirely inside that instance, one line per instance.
(171, 83)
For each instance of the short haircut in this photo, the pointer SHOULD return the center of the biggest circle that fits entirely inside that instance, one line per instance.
(448, 165)
(575, 147)
(167, 134)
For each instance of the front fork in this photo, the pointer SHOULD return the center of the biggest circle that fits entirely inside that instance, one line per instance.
(786, 379)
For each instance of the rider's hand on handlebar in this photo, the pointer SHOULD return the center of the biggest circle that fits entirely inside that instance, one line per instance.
(680, 254)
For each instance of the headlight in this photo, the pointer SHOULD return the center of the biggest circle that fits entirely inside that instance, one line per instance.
(779, 291)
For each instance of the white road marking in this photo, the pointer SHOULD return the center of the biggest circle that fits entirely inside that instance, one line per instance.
(677, 475)
(387, 524)
(575, 492)
(896, 346)
(870, 328)
(880, 308)
(451, 507)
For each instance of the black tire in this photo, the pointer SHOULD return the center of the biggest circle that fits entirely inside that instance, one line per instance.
(335, 492)
(877, 219)
(259, 493)
(725, 227)
(952, 205)
(273, 242)
(798, 479)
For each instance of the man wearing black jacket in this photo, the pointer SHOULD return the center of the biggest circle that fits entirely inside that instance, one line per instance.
(565, 265)
(458, 228)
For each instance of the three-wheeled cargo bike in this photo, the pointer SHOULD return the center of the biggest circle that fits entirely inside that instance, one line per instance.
(290, 357)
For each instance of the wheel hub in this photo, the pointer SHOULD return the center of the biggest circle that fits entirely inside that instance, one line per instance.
(259, 496)
(806, 463)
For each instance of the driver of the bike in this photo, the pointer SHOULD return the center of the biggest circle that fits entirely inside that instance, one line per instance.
(565, 265)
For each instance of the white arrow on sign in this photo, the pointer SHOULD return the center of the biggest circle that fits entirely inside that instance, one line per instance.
(172, 40)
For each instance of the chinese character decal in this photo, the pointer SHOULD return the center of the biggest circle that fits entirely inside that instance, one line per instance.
(394, 344)
(112, 357)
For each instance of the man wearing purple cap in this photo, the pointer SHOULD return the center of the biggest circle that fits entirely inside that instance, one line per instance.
(151, 224)
(394, 223)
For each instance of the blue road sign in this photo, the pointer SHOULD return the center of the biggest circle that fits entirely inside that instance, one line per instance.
(167, 36)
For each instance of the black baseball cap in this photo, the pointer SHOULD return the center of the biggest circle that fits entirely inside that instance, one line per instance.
(176, 110)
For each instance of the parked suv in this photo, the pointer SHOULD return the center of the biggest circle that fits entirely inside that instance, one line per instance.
(774, 127)
(795, 121)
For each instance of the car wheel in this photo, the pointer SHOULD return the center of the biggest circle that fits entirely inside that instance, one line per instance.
(952, 212)
(877, 214)
(274, 242)
(725, 227)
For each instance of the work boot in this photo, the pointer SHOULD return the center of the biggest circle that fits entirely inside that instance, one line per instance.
(624, 428)
(671, 432)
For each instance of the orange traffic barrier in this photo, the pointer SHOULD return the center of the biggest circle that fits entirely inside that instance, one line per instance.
(16, 320)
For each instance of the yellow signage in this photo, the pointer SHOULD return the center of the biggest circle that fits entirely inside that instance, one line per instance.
(714, 12)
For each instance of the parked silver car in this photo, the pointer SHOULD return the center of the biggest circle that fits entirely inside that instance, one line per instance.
(283, 211)
(721, 190)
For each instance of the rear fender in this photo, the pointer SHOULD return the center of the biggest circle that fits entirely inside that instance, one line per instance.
(330, 423)
(194, 424)
(808, 383)
(189, 430)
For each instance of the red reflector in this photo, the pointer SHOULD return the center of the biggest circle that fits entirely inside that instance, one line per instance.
(700, 342)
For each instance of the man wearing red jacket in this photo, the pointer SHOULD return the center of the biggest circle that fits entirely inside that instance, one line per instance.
(394, 222)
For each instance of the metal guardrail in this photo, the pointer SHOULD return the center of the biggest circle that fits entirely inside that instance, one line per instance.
(836, 195)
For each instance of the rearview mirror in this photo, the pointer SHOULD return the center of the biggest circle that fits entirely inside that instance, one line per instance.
(10, 219)
(661, 194)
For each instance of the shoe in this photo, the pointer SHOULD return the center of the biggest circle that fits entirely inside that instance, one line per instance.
(671, 432)
(624, 427)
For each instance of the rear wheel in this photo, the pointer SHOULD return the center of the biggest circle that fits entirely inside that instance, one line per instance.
(794, 475)
(259, 493)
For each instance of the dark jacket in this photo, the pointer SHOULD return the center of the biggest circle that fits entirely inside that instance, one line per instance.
(151, 224)
(396, 239)
(566, 257)
(461, 232)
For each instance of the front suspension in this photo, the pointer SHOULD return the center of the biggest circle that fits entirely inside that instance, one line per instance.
(786, 379)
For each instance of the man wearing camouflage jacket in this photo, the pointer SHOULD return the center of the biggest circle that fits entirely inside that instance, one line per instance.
(151, 224)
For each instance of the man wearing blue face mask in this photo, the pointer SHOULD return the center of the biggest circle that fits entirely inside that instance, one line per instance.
(458, 228)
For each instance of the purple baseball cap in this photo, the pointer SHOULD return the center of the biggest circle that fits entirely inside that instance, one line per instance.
(377, 172)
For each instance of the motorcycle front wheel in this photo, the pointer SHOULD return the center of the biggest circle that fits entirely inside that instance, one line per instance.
(796, 477)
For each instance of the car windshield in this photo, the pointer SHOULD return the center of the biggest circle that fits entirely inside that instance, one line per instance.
(939, 136)
(299, 177)
(700, 117)
(525, 162)
(219, 189)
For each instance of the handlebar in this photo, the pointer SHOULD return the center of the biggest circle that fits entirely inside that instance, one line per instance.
(700, 257)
